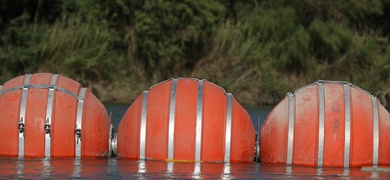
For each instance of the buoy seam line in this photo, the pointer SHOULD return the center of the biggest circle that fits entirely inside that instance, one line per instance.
(41, 86)
(331, 82)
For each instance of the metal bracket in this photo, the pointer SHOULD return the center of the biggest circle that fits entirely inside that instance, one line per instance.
(114, 145)
(47, 126)
(78, 135)
(21, 126)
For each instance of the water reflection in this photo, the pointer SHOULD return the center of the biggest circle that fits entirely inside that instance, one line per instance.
(19, 167)
(226, 171)
(119, 168)
(111, 166)
(46, 167)
(169, 173)
(77, 167)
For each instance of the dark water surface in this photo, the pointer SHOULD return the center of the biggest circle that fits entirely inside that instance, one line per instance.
(119, 168)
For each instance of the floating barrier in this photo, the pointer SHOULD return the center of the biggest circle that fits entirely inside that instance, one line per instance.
(49, 115)
(186, 119)
(327, 123)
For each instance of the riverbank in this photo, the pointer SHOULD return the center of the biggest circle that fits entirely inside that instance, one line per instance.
(257, 50)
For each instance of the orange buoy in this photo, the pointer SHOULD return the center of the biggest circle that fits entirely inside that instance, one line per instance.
(327, 123)
(186, 119)
(49, 115)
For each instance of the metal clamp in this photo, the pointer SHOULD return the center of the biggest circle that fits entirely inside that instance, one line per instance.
(114, 145)
(21, 125)
(47, 126)
(78, 135)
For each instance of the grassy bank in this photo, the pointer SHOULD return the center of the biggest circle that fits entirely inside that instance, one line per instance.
(258, 50)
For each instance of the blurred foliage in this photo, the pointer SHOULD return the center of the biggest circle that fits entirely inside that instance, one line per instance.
(256, 49)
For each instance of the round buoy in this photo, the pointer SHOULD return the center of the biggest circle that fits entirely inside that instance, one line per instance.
(49, 115)
(186, 119)
(327, 123)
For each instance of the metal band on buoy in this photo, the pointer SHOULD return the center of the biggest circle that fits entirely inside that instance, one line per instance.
(49, 110)
(23, 114)
(376, 131)
(347, 132)
(228, 128)
(41, 86)
(143, 126)
(79, 118)
(321, 125)
(171, 125)
(291, 119)
(199, 119)
(1, 87)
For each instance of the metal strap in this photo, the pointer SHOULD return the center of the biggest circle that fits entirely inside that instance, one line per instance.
(376, 131)
(332, 82)
(321, 125)
(143, 126)
(22, 115)
(49, 109)
(41, 86)
(199, 119)
(110, 136)
(347, 140)
(228, 128)
(257, 153)
(291, 119)
(1, 87)
(79, 119)
(171, 128)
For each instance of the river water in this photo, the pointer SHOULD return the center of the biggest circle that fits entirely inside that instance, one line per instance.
(119, 168)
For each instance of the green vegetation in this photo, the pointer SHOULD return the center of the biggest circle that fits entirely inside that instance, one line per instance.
(256, 49)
